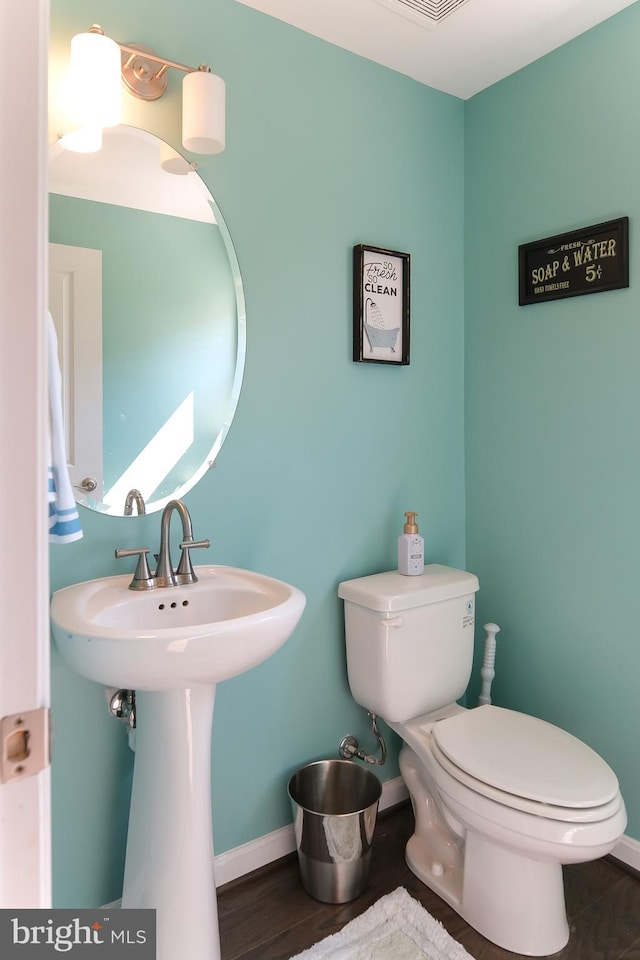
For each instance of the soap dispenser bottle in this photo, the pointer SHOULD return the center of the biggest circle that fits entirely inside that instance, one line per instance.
(410, 549)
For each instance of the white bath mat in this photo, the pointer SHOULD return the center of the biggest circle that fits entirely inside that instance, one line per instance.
(396, 927)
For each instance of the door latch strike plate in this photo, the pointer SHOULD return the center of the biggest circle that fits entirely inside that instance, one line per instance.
(25, 744)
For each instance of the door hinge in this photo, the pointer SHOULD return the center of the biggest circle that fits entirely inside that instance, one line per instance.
(25, 744)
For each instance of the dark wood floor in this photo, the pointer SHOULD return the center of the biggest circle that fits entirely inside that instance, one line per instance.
(268, 916)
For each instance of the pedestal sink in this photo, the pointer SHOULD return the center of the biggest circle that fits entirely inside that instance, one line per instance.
(172, 645)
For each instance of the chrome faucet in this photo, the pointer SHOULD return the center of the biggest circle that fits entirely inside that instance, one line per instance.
(134, 496)
(165, 575)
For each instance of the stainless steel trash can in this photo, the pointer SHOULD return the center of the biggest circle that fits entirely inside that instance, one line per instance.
(335, 804)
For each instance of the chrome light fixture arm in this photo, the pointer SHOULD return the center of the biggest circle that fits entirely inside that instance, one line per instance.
(139, 76)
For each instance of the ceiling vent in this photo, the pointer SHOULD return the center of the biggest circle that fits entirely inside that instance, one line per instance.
(427, 13)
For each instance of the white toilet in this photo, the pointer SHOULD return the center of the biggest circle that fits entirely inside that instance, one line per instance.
(501, 800)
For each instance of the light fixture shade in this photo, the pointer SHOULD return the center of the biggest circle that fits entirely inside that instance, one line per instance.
(172, 162)
(95, 80)
(83, 140)
(203, 112)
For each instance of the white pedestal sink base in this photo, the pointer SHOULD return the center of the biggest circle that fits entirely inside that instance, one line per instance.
(169, 861)
(175, 643)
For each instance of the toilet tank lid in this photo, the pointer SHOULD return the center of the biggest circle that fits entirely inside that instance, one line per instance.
(387, 592)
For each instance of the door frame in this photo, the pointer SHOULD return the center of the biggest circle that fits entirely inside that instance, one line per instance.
(25, 803)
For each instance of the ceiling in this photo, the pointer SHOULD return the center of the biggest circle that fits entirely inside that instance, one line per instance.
(475, 45)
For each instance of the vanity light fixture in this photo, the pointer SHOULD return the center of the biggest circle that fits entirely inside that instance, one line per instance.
(96, 91)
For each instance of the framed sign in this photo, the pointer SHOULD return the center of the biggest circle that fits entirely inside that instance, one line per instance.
(588, 260)
(380, 305)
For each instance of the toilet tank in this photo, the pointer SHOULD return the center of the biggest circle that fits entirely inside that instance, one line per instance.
(409, 639)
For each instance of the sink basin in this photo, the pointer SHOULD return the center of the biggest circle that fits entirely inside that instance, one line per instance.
(172, 645)
(172, 637)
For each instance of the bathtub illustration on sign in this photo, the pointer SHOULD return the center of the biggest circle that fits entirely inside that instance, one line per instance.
(377, 334)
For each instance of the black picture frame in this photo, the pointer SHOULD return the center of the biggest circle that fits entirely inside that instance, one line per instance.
(381, 285)
(592, 259)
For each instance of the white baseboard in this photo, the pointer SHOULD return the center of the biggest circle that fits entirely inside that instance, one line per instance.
(258, 853)
(628, 852)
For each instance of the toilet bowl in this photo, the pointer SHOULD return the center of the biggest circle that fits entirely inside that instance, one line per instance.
(493, 854)
(501, 799)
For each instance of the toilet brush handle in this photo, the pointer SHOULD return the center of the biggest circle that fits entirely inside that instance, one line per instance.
(488, 672)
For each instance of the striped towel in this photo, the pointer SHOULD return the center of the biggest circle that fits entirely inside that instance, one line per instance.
(64, 522)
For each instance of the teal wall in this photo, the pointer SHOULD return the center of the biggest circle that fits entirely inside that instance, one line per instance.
(553, 393)
(324, 150)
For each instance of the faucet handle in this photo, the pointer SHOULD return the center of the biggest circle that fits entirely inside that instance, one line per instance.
(142, 579)
(185, 572)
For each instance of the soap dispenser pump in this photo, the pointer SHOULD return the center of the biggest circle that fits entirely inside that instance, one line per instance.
(410, 548)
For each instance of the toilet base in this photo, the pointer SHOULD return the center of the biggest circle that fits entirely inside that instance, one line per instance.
(525, 916)
(516, 902)
(512, 900)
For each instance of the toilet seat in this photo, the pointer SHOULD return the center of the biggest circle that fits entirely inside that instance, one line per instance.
(524, 763)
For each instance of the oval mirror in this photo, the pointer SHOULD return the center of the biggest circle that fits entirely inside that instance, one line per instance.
(147, 300)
